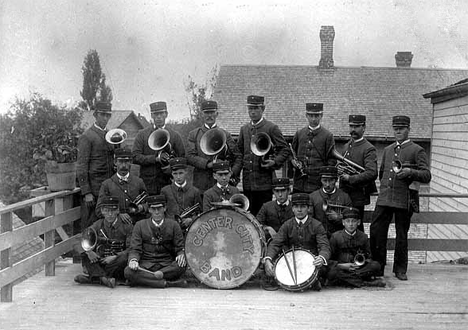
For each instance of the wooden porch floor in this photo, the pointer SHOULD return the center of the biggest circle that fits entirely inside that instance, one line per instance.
(435, 297)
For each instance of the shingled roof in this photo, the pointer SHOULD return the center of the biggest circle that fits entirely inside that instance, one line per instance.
(117, 118)
(377, 92)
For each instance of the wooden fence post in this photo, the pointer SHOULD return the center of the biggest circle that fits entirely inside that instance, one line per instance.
(5, 260)
(49, 237)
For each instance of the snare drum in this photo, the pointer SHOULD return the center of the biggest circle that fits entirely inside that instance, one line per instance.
(224, 247)
(295, 271)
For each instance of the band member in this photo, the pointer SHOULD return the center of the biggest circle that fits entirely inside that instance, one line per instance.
(300, 231)
(221, 191)
(180, 195)
(108, 259)
(404, 165)
(126, 187)
(203, 164)
(313, 146)
(274, 213)
(95, 162)
(359, 184)
(258, 171)
(350, 262)
(328, 202)
(152, 167)
(156, 258)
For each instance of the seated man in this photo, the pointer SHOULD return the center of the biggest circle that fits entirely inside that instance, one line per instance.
(108, 259)
(350, 262)
(221, 191)
(274, 213)
(301, 231)
(328, 202)
(156, 257)
(180, 195)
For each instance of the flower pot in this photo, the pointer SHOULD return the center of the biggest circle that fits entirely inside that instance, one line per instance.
(61, 176)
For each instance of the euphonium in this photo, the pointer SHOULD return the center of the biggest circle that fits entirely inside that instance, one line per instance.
(241, 200)
(116, 136)
(213, 142)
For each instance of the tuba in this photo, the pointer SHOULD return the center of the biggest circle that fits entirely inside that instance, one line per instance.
(241, 201)
(213, 143)
(261, 145)
(116, 136)
(159, 141)
(346, 166)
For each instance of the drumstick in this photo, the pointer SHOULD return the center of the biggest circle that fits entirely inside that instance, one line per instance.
(145, 270)
(289, 267)
(294, 264)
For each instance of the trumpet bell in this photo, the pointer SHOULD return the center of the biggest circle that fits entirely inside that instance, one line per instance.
(159, 139)
(241, 200)
(89, 239)
(260, 144)
(213, 142)
(360, 259)
(397, 166)
(116, 136)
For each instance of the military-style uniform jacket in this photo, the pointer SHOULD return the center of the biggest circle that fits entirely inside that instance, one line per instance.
(118, 231)
(125, 191)
(150, 170)
(344, 246)
(151, 245)
(273, 215)
(338, 197)
(178, 199)
(255, 177)
(202, 176)
(215, 194)
(314, 150)
(310, 236)
(395, 192)
(361, 185)
(95, 161)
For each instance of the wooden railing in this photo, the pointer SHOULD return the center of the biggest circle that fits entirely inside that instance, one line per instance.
(55, 218)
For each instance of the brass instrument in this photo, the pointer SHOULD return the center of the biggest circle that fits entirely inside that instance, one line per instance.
(240, 200)
(159, 141)
(261, 145)
(213, 143)
(296, 162)
(116, 136)
(346, 166)
(397, 165)
(89, 239)
(326, 206)
(188, 212)
(360, 259)
(133, 206)
(103, 246)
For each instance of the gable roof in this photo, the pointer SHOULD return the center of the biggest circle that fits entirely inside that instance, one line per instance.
(117, 118)
(377, 92)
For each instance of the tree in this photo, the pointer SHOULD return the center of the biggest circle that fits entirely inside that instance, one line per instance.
(28, 126)
(94, 82)
(199, 93)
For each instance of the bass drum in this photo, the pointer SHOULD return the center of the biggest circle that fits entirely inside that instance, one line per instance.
(224, 247)
(295, 271)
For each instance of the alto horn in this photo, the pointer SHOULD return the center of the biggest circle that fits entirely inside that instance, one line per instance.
(89, 239)
(116, 136)
(213, 142)
(261, 145)
(159, 140)
(241, 200)
(349, 167)
(326, 206)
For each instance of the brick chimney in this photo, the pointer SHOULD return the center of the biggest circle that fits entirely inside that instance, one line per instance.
(403, 59)
(327, 34)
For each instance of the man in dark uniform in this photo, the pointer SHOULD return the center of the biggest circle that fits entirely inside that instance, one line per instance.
(328, 202)
(257, 172)
(404, 165)
(126, 187)
(155, 171)
(108, 259)
(203, 164)
(221, 191)
(156, 258)
(313, 146)
(359, 185)
(274, 213)
(95, 162)
(300, 231)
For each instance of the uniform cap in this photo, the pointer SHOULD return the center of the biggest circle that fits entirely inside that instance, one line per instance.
(158, 107)
(255, 100)
(110, 202)
(280, 183)
(123, 153)
(357, 119)
(316, 108)
(156, 201)
(178, 163)
(401, 121)
(209, 106)
(300, 199)
(104, 107)
(351, 213)
(328, 172)
(222, 166)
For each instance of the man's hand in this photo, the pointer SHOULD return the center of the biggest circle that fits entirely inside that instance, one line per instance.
(125, 217)
(269, 268)
(181, 260)
(133, 264)
(89, 200)
(404, 173)
(108, 259)
(268, 163)
(345, 177)
(186, 222)
(270, 230)
(209, 165)
(334, 216)
(318, 262)
(348, 266)
(93, 257)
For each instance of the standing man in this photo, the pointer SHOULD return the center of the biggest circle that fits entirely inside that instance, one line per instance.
(95, 162)
(153, 169)
(313, 146)
(126, 187)
(359, 185)
(403, 163)
(257, 172)
(203, 164)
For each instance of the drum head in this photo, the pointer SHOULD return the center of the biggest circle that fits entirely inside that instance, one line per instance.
(224, 247)
(300, 272)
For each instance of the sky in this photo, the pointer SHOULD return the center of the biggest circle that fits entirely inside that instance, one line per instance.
(148, 49)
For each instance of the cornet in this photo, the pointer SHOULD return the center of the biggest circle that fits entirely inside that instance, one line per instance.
(360, 259)
(326, 206)
(261, 145)
(213, 143)
(116, 136)
(159, 141)
(133, 206)
(188, 212)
